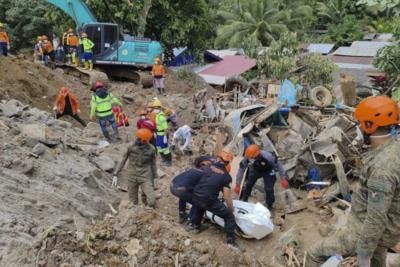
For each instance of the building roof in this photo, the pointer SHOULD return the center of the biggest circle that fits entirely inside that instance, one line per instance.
(350, 62)
(230, 66)
(220, 54)
(322, 49)
(361, 49)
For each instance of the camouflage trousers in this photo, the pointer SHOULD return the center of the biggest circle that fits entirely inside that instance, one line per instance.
(341, 243)
(147, 189)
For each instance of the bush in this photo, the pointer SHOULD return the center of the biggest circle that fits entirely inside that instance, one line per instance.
(317, 70)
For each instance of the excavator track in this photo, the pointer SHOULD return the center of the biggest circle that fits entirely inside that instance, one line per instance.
(86, 76)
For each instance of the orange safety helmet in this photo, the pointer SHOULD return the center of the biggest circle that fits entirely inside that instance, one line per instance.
(252, 151)
(70, 30)
(144, 135)
(64, 90)
(226, 156)
(39, 38)
(376, 111)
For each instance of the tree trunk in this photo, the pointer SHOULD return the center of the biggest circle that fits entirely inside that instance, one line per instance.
(143, 17)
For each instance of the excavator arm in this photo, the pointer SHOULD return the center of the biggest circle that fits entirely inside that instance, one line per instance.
(76, 9)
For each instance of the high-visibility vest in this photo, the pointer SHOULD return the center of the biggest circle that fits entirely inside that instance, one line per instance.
(103, 105)
(161, 123)
(87, 45)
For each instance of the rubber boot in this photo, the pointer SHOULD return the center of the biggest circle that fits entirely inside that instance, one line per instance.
(163, 160)
(90, 66)
(86, 65)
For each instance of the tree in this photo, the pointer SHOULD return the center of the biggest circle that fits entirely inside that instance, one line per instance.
(25, 21)
(389, 7)
(316, 69)
(345, 32)
(256, 21)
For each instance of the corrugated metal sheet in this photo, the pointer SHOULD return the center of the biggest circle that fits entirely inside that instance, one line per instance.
(384, 37)
(322, 49)
(357, 63)
(228, 67)
(223, 53)
(361, 49)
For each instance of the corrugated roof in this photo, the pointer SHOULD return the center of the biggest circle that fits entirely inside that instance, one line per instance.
(349, 62)
(228, 67)
(361, 49)
(384, 37)
(223, 53)
(322, 49)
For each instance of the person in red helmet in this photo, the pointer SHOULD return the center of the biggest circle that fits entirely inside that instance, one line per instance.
(142, 168)
(263, 164)
(373, 223)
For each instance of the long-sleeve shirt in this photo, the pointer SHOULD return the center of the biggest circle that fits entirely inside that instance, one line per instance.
(142, 162)
(183, 133)
(158, 71)
(375, 206)
(265, 155)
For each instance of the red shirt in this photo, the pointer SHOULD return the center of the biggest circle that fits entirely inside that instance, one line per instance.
(146, 123)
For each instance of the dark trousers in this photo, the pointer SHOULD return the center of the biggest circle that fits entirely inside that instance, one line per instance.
(269, 182)
(184, 197)
(219, 209)
(75, 116)
(4, 49)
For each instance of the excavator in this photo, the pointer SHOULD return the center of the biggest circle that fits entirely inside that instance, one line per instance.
(116, 55)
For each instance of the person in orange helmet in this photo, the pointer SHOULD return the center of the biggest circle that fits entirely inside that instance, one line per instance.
(205, 197)
(261, 164)
(373, 223)
(68, 104)
(142, 170)
(4, 41)
(158, 73)
(48, 50)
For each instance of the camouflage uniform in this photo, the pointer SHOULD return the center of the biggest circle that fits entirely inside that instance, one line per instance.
(374, 221)
(141, 171)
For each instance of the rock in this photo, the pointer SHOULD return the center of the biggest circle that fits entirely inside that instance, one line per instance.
(187, 242)
(27, 167)
(105, 163)
(34, 131)
(202, 248)
(133, 247)
(41, 263)
(204, 259)
(12, 108)
(129, 97)
(39, 149)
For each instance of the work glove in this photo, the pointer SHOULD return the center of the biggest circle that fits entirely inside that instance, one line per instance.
(363, 261)
(78, 111)
(55, 108)
(237, 189)
(165, 140)
(284, 183)
(114, 181)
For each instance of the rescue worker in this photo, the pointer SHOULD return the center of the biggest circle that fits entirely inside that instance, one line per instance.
(73, 42)
(261, 164)
(183, 184)
(172, 118)
(183, 139)
(87, 51)
(206, 192)
(142, 168)
(158, 73)
(58, 48)
(101, 107)
(145, 122)
(48, 50)
(373, 224)
(38, 50)
(161, 133)
(68, 104)
(4, 41)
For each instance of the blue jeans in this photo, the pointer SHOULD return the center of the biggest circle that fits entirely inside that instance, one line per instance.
(103, 125)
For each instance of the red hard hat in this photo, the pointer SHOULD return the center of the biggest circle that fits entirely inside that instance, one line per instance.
(97, 85)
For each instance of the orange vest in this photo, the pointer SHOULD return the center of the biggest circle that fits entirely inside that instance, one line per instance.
(4, 37)
(60, 103)
(158, 70)
(48, 47)
(73, 40)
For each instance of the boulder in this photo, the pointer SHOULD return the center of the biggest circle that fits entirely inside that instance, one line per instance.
(105, 163)
(39, 149)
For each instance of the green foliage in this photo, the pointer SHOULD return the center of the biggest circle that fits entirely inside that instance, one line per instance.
(258, 22)
(388, 60)
(316, 69)
(390, 7)
(25, 21)
(345, 32)
(280, 58)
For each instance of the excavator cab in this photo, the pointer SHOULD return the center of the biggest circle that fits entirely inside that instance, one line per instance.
(106, 38)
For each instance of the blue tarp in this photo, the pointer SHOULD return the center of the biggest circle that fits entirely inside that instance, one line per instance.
(182, 56)
(287, 93)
